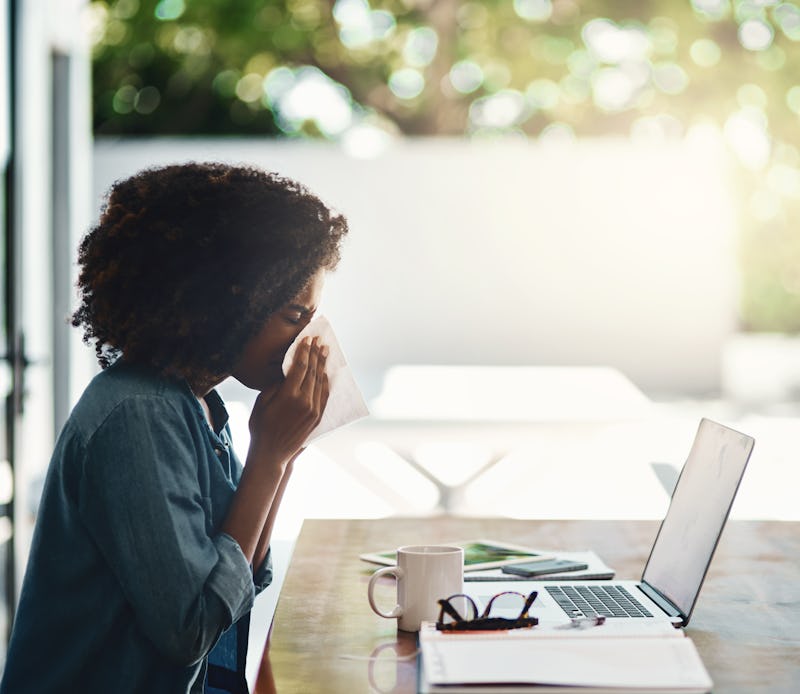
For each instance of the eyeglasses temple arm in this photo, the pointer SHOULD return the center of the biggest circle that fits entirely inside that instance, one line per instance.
(528, 604)
(450, 610)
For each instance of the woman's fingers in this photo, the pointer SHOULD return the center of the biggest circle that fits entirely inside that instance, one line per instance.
(299, 367)
(312, 389)
(284, 421)
(310, 378)
(322, 386)
(315, 387)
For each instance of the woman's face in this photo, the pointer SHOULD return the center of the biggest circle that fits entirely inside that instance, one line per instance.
(259, 366)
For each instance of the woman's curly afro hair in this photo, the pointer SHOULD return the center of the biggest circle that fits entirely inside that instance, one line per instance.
(188, 261)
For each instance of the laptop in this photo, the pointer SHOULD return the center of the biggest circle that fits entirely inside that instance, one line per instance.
(679, 557)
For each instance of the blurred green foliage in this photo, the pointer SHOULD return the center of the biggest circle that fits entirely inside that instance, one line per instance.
(526, 68)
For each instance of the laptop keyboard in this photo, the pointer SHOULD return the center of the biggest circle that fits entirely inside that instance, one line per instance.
(591, 601)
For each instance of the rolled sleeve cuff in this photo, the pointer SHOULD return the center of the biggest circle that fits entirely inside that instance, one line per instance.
(262, 576)
(232, 578)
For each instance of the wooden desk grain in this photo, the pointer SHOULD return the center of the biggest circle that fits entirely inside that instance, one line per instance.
(746, 624)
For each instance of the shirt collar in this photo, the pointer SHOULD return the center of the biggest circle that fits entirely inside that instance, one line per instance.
(219, 415)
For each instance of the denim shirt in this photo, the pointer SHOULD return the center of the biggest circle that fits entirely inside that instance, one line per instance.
(130, 584)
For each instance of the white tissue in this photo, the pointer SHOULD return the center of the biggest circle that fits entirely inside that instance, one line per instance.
(345, 401)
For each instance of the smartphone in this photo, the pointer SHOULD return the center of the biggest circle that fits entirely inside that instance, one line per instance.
(540, 568)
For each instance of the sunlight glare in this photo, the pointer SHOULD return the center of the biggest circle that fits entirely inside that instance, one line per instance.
(746, 133)
(359, 25)
(613, 89)
(415, 493)
(453, 462)
(613, 44)
(308, 94)
(500, 110)
(365, 140)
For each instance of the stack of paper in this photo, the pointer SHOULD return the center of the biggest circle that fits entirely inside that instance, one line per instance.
(610, 658)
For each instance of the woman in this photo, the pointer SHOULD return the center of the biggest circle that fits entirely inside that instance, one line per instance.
(151, 540)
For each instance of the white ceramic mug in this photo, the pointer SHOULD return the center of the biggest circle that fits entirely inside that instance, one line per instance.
(425, 574)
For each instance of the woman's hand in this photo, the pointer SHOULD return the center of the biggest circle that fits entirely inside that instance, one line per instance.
(283, 418)
(280, 423)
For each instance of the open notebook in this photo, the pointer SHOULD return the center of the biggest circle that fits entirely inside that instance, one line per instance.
(606, 658)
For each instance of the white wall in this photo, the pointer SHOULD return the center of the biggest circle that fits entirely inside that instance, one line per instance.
(43, 27)
(595, 252)
(33, 261)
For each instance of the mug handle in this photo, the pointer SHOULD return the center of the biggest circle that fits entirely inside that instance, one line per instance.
(395, 571)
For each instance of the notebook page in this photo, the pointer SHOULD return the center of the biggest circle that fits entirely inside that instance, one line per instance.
(666, 663)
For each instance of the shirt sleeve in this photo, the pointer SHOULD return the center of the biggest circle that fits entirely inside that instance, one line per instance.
(262, 576)
(141, 501)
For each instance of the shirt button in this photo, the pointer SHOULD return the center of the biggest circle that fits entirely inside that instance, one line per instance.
(218, 451)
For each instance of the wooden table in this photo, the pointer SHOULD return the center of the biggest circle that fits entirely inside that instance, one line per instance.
(325, 638)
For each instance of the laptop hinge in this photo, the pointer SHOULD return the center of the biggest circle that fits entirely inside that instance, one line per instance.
(678, 619)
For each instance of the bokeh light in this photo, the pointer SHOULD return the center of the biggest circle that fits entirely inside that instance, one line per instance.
(406, 83)
(147, 100)
(248, 88)
(498, 111)
(610, 43)
(359, 25)
(755, 34)
(534, 10)
(124, 99)
(557, 135)
(712, 9)
(705, 52)
(614, 88)
(793, 99)
(751, 95)
(543, 94)
(167, 10)
(307, 95)
(787, 15)
(466, 76)
(670, 78)
(420, 46)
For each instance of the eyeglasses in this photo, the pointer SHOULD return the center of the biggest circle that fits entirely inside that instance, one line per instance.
(485, 622)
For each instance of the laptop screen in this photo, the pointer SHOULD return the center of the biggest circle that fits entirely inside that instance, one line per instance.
(697, 513)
